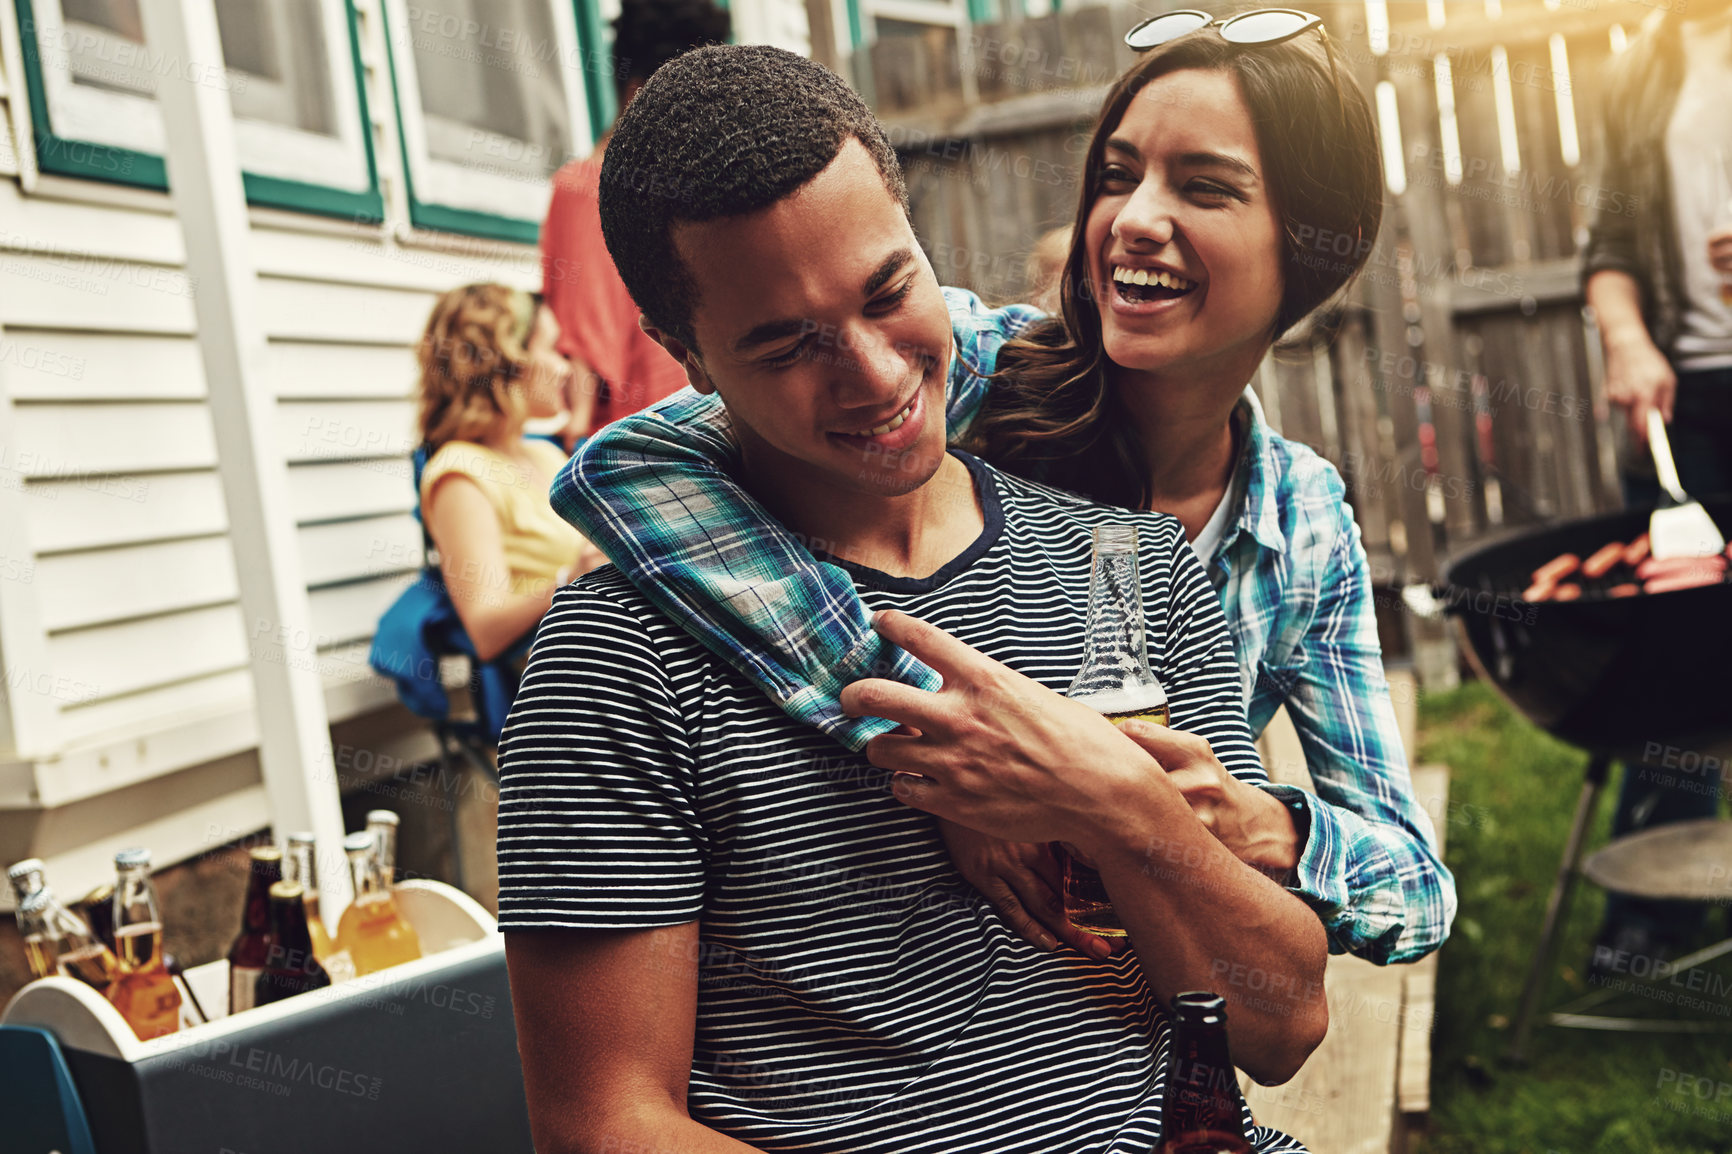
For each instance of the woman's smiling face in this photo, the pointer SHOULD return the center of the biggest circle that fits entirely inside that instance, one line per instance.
(1183, 239)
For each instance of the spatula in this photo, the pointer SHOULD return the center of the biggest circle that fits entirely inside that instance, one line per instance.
(1680, 527)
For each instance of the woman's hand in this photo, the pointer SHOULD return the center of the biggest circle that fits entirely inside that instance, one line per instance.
(1021, 880)
(1251, 822)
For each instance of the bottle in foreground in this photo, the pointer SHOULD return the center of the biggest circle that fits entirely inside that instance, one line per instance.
(1202, 1112)
(1116, 681)
(26, 877)
(56, 941)
(372, 930)
(143, 990)
(291, 967)
(382, 825)
(299, 865)
(97, 908)
(252, 946)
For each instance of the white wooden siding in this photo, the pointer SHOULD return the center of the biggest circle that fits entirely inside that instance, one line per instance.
(134, 681)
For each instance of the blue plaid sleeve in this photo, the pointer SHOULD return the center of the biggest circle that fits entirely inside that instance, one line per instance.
(1370, 866)
(656, 492)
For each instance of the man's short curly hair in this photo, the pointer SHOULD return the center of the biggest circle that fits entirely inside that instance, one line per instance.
(721, 132)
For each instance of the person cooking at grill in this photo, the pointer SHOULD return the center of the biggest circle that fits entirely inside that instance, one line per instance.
(722, 933)
(1657, 272)
(1184, 266)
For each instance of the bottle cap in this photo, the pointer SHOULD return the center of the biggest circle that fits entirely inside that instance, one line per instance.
(285, 891)
(28, 865)
(381, 817)
(36, 902)
(357, 841)
(132, 857)
(1201, 1007)
(302, 838)
(265, 853)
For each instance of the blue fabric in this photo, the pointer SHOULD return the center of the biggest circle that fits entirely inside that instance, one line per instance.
(422, 626)
(38, 1099)
(419, 628)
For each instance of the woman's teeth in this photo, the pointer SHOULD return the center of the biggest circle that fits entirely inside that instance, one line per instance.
(889, 426)
(1153, 277)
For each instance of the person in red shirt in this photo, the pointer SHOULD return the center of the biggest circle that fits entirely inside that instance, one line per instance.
(616, 368)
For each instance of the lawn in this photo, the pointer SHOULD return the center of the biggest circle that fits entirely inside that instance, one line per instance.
(1512, 792)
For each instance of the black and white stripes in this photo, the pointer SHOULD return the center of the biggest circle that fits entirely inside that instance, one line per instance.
(855, 994)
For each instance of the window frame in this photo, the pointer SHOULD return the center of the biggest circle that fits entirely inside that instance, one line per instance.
(587, 124)
(76, 157)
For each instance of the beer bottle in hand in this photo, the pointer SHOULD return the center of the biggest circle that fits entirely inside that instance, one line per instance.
(253, 944)
(290, 968)
(1115, 680)
(143, 990)
(1202, 1112)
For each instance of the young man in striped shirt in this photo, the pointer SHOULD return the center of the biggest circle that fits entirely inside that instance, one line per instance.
(725, 934)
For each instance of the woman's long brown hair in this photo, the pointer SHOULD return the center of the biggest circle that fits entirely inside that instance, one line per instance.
(1052, 413)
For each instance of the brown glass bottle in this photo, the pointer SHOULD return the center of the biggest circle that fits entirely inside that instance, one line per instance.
(291, 967)
(97, 908)
(252, 946)
(1202, 1112)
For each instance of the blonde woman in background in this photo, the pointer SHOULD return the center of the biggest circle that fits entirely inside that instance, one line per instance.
(488, 365)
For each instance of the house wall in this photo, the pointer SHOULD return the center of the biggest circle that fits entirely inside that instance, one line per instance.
(127, 700)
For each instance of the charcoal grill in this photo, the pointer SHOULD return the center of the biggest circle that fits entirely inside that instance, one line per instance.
(1619, 678)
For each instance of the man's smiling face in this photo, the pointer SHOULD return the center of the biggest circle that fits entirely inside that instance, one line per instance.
(822, 326)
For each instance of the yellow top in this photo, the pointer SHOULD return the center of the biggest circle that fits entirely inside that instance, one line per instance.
(538, 542)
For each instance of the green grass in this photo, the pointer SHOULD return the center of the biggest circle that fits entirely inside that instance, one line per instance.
(1512, 793)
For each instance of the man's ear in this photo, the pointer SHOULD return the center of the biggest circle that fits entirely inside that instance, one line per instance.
(688, 359)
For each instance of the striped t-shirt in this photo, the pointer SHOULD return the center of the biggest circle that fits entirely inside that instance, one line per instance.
(855, 994)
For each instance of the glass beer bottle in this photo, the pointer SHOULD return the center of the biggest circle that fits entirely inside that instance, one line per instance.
(299, 866)
(290, 968)
(382, 824)
(57, 941)
(252, 946)
(143, 990)
(372, 930)
(26, 877)
(1115, 680)
(1201, 1113)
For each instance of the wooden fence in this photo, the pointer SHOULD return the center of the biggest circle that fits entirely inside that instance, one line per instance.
(1461, 392)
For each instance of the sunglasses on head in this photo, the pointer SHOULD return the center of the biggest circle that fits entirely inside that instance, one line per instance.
(1264, 26)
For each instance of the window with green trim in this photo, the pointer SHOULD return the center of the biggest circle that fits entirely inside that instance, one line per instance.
(292, 71)
(492, 97)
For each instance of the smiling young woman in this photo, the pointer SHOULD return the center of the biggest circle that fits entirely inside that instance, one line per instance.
(1214, 164)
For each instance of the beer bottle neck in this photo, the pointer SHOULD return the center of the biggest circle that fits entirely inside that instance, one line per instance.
(257, 919)
(1115, 647)
(364, 871)
(289, 928)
